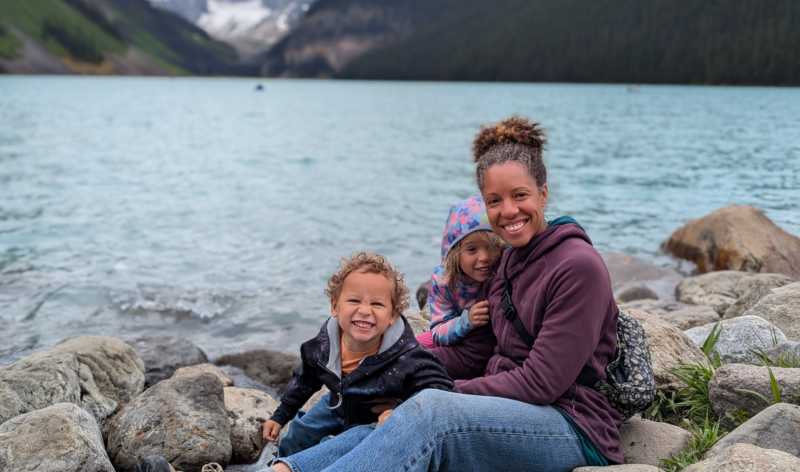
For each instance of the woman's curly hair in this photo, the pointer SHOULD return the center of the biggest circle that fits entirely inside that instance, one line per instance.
(370, 263)
(513, 140)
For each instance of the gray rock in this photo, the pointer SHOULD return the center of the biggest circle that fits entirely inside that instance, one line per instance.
(739, 338)
(724, 389)
(250, 409)
(782, 308)
(420, 321)
(192, 370)
(647, 442)
(634, 291)
(680, 315)
(787, 350)
(163, 355)
(752, 290)
(268, 367)
(243, 381)
(59, 438)
(668, 348)
(183, 419)
(748, 458)
(715, 289)
(620, 468)
(777, 427)
(97, 373)
(626, 270)
(422, 295)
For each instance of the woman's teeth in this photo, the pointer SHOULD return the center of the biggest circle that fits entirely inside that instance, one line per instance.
(515, 226)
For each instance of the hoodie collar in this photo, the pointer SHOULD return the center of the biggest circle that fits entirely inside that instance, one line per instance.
(539, 245)
(390, 337)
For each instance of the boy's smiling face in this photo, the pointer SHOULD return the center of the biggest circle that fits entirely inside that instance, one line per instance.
(364, 309)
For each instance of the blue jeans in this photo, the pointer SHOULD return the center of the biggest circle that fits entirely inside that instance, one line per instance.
(309, 428)
(442, 431)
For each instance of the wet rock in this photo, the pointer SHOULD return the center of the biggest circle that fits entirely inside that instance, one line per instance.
(59, 438)
(422, 295)
(626, 270)
(680, 315)
(163, 355)
(668, 348)
(272, 368)
(748, 458)
(243, 381)
(620, 468)
(636, 291)
(739, 339)
(183, 419)
(715, 289)
(737, 238)
(777, 427)
(192, 370)
(782, 308)
(753, 289)
(647, 442)
(250, 409)
(725, 388)
(420, 321)
(97, 373)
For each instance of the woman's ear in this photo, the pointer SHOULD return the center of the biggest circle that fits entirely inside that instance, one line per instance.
(334, 311)
(543, 195)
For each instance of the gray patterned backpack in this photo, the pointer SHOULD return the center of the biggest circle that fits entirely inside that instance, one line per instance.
(631, 386)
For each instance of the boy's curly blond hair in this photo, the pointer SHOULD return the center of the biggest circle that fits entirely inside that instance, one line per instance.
(370, 263)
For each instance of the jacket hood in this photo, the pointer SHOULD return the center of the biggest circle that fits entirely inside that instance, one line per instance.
(391, 344)
(515, 260)
(466, 217)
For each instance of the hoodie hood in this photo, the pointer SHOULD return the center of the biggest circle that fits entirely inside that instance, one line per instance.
(466, 217)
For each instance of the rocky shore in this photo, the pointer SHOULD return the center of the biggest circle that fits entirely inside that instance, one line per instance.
(725, 346)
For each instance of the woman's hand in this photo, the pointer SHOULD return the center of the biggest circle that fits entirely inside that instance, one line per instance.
(271, 431)
(383, 404)
(384, 416)
(479, 314)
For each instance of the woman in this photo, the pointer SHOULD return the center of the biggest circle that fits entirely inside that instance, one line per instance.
(516, 407)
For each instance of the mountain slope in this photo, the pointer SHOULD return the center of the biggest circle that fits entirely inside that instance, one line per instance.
(627, 41)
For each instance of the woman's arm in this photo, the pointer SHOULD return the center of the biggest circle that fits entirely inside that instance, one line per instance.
(468, 359)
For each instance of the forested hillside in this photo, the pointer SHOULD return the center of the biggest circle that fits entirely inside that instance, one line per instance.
(107, 37)
(627, 41)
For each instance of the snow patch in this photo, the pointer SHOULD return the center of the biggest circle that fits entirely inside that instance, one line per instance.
(231, 19)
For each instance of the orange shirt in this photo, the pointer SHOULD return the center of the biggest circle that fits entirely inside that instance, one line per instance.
(351, 359)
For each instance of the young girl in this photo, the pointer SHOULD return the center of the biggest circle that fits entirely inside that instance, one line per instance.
(469, 250)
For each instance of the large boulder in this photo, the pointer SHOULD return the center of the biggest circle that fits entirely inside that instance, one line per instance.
(59, 438)
(648, 442)
(420, 321)
(680, 315)
(738, 238)
(183, 419)
(635, 291)
(627, 271)
(192, 370)
(725, 390)
(669, 347)
(250, 409)
(752, 289)
(777, 427)
(739, 338)
(782, 308)
(748, 458)
(163, 355)
(272, 368)
(97, 373)
(715, 289)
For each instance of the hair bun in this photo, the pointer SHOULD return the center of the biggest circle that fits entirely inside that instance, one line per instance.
(513, 130)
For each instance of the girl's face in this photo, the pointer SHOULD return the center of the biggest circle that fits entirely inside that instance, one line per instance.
(474, 258)
(514, 203)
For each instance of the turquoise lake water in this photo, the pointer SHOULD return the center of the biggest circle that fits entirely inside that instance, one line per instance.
(202, 208)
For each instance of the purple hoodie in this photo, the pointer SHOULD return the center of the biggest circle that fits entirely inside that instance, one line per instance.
(562, 291)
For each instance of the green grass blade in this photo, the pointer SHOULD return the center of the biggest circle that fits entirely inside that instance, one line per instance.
(766, 400)
(776, 392)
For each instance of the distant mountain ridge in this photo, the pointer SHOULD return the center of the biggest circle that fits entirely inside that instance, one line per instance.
(753, 42)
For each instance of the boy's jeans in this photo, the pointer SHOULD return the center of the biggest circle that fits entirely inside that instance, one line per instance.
(442, 431)
(310, 428)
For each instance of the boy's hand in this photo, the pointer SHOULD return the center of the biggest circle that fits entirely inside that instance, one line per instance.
(271, 431)
(384, 416)
(479, 314)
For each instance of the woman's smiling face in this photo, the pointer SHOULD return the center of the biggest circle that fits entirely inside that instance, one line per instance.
(514, 203)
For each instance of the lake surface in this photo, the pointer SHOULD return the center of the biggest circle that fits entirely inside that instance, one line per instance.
(201, 208)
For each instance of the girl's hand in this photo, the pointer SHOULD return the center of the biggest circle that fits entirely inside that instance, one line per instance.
(271, 431)
(384, 416)
(479, 314)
